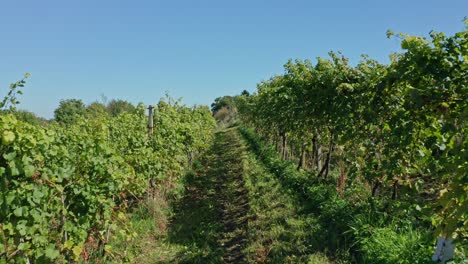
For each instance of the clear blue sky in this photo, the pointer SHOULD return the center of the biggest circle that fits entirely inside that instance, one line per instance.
(198, 50)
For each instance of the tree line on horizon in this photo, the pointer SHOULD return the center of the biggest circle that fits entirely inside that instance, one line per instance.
(69, 110)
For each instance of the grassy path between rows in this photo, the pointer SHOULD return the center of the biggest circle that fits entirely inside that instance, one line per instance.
(211, 219)
(234, 210)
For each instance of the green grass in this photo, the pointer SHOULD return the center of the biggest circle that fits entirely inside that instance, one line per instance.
(148, 223)
(278, 233)
(210, 220)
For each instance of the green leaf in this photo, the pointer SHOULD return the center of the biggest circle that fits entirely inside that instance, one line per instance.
(10, 197)
(51, 252)
(18, 211)
(8, 137)
(108, 248)
(37, 194)
(10, 156)
(21, 227)
(77, 251)
(68, 244)
(14, 170)
(21, 246)
(29, 170)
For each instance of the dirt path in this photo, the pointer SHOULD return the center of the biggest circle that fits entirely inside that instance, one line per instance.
(211, 220)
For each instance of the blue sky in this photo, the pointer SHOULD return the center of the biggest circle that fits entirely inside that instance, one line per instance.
(198, 50)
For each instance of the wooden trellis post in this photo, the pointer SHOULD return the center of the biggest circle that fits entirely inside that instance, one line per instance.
(150, 133)
(150, 120)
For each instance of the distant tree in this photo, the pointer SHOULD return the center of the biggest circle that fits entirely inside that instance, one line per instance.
(69, 110)
(116, 107)
(245, 93)
(221, 102)
(96, 110)
(29, 117)
(140, 109)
